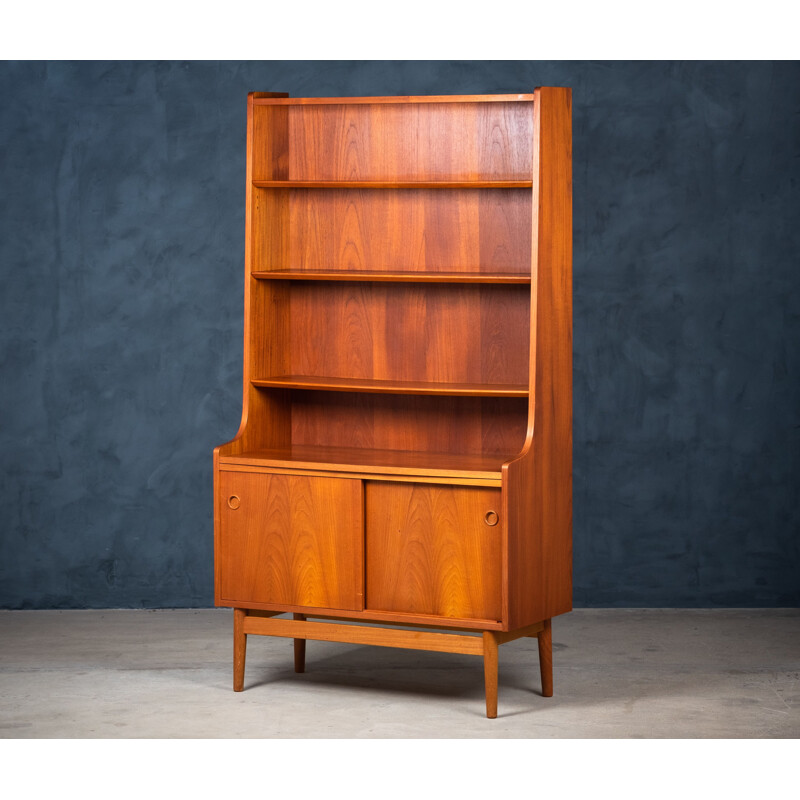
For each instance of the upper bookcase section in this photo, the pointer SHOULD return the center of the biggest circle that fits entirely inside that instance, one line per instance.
(393, 139)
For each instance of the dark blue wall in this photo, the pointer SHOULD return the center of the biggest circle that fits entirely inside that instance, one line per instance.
(121, 269)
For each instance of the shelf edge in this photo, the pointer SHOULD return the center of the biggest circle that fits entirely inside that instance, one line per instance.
(322, 384)
(497, 278)
(263, 184)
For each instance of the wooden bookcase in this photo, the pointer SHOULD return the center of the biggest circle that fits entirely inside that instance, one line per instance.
(405, 451)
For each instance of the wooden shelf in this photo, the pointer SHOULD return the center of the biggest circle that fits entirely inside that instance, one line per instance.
(400, 100)
(392, 276)
(393, 184)
(379, 462)
(325, 384)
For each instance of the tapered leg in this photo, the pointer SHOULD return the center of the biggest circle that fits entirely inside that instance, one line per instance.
(299, 649)
(545, 638)
(490, 673)
(239, 648)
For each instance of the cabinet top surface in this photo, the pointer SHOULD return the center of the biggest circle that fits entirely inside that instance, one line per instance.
(379, 461)
(450, 98)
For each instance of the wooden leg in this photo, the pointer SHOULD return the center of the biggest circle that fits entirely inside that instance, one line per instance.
(299, 649)
(490, 672)
(239, 648)
(545, 638)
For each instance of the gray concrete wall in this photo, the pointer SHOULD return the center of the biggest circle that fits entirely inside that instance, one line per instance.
(121, 250)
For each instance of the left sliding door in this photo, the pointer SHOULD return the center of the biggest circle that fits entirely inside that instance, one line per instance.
(290, 540)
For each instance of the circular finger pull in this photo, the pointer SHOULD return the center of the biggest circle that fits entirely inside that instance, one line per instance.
(233, 501)
(491, 518)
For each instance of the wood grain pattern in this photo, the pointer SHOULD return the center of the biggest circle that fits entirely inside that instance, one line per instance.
(265, 418)
(423, 229)
(294, 540)
(386, 617)
(271, 223)
(271, 141)
(385, 146)
(468, 334)
(537, 486)
(490, 670)
(545, 639)
(466, 276)
(421, 622)
(468, 184)
(357, 459)
(239, 649)
(429, 550)
(367, 476)
(482, 426)
(353, 634)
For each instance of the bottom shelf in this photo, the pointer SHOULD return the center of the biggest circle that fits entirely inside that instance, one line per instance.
(388, 462)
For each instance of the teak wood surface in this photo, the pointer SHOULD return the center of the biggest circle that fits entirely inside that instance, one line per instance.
(442, 230)
(404, 276)
(407, 371)
(382, 386)
(377, 461)
(431, 550)
(538, 485)
(280, 98)
(392, 184)
(291, 539)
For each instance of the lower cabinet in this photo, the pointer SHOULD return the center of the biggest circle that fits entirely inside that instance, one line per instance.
(434, 550)
(291, 540)
(294, 540)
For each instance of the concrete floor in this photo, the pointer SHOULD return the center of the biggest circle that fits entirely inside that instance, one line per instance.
(618, 673)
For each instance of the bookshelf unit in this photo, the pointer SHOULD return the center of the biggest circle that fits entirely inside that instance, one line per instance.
(405, 451)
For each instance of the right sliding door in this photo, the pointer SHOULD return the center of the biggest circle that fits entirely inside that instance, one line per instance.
(433, 550)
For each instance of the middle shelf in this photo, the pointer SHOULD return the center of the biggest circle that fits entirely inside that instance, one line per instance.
(327, 384)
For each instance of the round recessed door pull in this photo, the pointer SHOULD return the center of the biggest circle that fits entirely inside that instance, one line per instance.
(491, 518)
(233, 502)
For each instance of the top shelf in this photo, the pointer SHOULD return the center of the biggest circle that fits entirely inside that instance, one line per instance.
(393, 184)
(399, 100)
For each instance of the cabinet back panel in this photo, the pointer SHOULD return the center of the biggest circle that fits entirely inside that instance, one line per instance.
(460, 425)
(462, 141)
(409, 332)
(450, 230)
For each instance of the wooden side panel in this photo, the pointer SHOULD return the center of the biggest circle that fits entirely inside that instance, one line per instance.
(453, 141)
(271, 136)
(290, 540)
(270, 229)
(430, 550)
(410, 332)
(265, 417)
(537, 487)
(446, 230)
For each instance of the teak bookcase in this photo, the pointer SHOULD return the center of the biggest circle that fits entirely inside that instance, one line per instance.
(405, 450)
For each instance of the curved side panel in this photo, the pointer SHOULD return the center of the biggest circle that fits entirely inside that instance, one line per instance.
(271, 411)
(265, 415)
(537, 486)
